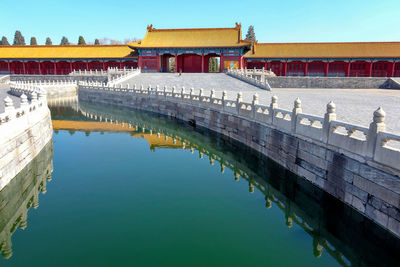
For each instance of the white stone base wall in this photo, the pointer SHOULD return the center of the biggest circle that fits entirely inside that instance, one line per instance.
(21, 141)
(369, 190)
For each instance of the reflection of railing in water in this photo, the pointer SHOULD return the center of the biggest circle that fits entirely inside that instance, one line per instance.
(311, 221)
(21, 194)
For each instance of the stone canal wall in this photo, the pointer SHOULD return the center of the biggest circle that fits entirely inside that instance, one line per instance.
(265, 79)
(357, 165)
(24, 132)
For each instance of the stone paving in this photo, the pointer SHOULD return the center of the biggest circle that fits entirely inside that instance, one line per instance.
(354, 106)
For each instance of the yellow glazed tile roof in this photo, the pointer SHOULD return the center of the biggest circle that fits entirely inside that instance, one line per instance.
(325, 50)
(153, 139)
(66, 51)
(202, 37)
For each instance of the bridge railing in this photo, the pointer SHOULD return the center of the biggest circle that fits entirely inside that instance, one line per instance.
(371, 143)
(251, 77)
(123, 76)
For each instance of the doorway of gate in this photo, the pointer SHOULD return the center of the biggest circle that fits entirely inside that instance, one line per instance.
(168, 63)
(189, 63)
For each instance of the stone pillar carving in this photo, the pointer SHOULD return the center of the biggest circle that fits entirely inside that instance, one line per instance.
(272, 107)
(8, 104)
(223, 100)
(330, 116)
(296, 110)
(376, 126)
(254, 104)
(239, 100)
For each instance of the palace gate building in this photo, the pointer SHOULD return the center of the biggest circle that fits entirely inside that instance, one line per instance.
(193, 50)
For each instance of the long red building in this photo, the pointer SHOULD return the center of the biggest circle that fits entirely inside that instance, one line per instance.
(191, 50)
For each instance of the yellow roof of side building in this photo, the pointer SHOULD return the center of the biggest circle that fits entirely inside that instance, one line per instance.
(201, 37)
(325, 50)
(66, 51)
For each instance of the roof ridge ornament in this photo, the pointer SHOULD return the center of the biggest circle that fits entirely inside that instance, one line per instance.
(238, 26)
(150, 27)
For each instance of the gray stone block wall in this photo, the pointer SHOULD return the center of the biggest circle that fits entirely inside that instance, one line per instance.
(372, 192)
(328, 82)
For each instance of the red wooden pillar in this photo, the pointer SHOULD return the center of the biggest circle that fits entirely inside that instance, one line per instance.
(120, 62)
(104, 65)
(347, 71)
(9, 68)
(202, 62)
(221, 63)
(24, 67)
(370, 69)
(40, 68)
(326, 68)
(70, 66)
(87, 64)
(158, 62)
(306, 68)
(55, 67)
(176, 62)
(284, 68)
(266, 65)
(391, 74)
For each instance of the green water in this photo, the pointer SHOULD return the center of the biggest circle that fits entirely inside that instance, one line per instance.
(114, 200)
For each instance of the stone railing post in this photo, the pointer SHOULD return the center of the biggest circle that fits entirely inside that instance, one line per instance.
(191, 93)
(173, 91)
(239, 100)
(330, 116)
(212, 95)
(157, 89)
(272, 107)
(254, 104)
(34, 98)
(8, 104)
(24, 100)
(296, 110)
(263, 75)
(201, 94)
(165, 91)
(182, 92)
(223, 99)
(376, 126)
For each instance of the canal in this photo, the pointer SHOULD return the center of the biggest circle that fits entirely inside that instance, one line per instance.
(120, 187)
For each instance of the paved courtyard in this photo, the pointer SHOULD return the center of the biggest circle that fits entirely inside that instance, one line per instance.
(352, 105)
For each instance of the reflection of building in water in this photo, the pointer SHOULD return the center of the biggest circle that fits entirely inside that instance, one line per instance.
(21, 194)
(155, 140)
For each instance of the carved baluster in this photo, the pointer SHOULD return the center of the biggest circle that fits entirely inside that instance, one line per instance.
(330, 116)
(376, 126)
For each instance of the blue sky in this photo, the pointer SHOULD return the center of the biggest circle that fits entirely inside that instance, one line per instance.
(274, 21)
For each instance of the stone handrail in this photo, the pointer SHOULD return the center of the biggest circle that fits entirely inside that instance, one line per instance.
(88, 73)
(41, 83)
(373, 143)
(244, 75)
(5, 78)
(123, 76)
(12, 118)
